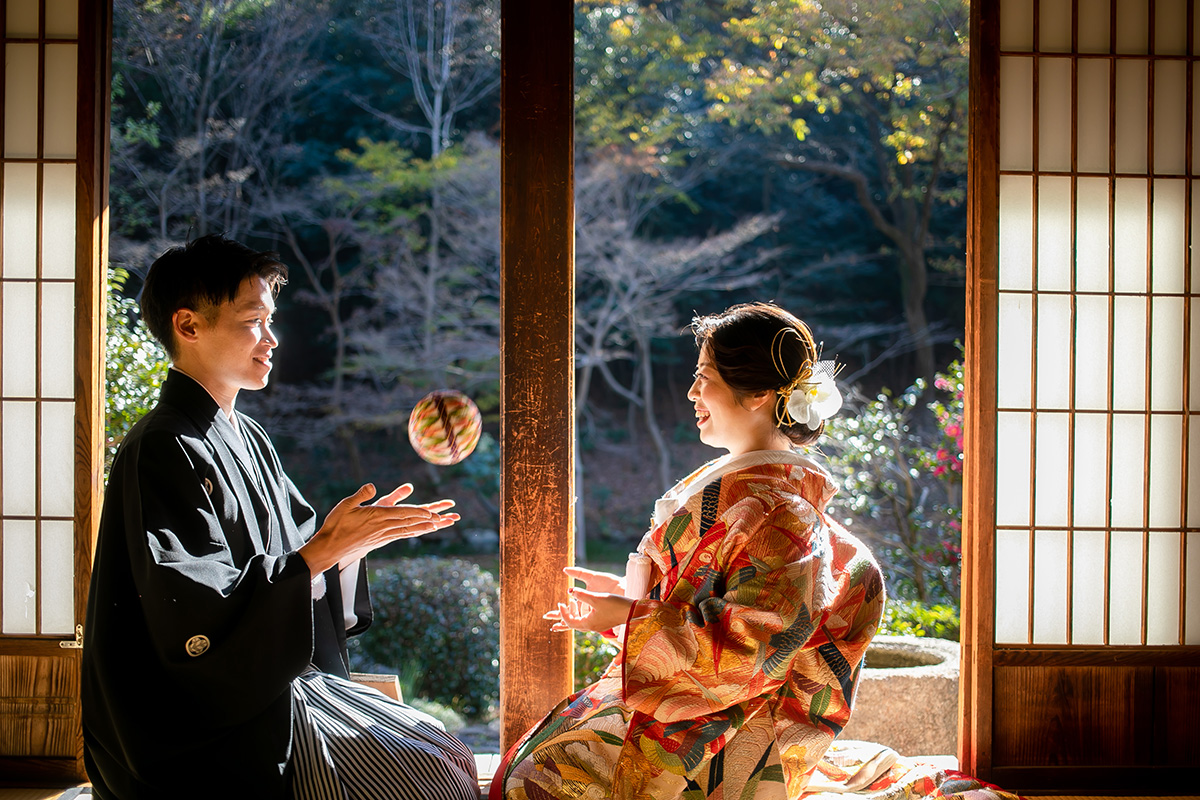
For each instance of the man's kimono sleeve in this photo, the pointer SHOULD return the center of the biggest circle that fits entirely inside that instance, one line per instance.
(231, 623)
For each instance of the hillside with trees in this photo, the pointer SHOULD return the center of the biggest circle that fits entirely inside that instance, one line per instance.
(810, 154)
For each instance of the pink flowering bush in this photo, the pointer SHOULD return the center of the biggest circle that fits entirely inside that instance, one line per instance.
(899, 459)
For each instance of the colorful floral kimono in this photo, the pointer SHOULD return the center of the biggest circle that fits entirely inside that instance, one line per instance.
(739, 666)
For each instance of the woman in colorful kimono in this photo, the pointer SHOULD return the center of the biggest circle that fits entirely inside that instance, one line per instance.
(743, 616)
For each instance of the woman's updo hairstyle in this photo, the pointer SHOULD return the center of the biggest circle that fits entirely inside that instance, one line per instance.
(746, 347)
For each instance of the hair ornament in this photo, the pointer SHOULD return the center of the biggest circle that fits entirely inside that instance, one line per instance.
(812, 396)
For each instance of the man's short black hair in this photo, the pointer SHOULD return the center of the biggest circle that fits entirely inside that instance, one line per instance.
(201, 275)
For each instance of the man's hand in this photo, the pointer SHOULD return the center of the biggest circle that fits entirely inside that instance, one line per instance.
(354, 529)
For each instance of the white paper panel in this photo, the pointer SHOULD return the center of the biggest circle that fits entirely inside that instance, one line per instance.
(1091, 371)
(1087, 588)
(19, 366)
(1162, 592)
(18, 441)
(1129, 353)
(1050, 587)
(20, 101)
(1052, 492)
(22, 19)
(1133, 26)
(1170, 117)
(1092, 100)
(58, 340)
(1054, 113)
(1016, 232)
(20, 220)
(1091, 470)
(1132, 107)
(1054, 234)
(1125, 589)
(1166, 471)
(1012, 468)
(1014, 351)
(61, 68)
(1169, 235)
(1128, 470)
(58, 459)
(1054, 351)
(1191, 633)
(1131, 240)
(1170, 27)
(1094, 17)
(58, 221)
(58, 577)
(1196, 113)
(1016, 113)
(1166, 359)
(1012, 587)
(1194, 355)
(1054, 30)
(1195, 229)
(62, 19)
(1016, 25)
(1193, 494)
(20, 577)
(1091, 240)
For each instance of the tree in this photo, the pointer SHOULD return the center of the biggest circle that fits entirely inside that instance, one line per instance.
(628, 287)
(220, 78)
(900, 72)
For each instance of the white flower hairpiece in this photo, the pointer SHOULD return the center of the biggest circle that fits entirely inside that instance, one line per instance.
(812, 396)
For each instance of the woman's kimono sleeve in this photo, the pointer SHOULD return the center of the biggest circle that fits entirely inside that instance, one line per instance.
(747, 600)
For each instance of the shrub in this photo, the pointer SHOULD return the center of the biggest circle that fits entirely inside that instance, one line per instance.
(438, 621)
(592, 654)
(134, 366)
(910, 618)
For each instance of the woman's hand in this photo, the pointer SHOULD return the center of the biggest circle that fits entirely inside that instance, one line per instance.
(597, 581)
(590, 611)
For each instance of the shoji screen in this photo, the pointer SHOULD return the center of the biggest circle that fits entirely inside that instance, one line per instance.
(1090, 563)
(53, 134)
(37, 298)
(1098, 448)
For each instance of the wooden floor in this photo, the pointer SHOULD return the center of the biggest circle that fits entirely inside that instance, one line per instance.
(485, 768)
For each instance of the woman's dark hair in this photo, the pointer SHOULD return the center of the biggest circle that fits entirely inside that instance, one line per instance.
(201, 275)
(751, 356)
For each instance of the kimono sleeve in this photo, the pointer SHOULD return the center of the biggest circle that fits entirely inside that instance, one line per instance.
(749, 601)
(231, 623)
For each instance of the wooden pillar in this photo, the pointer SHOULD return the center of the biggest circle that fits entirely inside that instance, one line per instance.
(537, 279)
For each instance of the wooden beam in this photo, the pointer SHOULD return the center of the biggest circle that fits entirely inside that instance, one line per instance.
(979, 470)
(537, 278)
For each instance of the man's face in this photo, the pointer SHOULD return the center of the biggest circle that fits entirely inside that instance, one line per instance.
(234, 340)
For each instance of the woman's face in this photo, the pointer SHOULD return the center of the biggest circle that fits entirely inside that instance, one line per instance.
(722, 420)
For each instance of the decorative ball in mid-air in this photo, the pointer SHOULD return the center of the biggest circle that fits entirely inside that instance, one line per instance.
(444, 427)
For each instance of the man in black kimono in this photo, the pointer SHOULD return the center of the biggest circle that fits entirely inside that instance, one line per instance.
(212, 589)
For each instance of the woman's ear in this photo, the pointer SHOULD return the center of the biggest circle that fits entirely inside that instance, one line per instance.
(757, 400)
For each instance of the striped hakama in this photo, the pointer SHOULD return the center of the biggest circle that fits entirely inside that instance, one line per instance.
(351, 742)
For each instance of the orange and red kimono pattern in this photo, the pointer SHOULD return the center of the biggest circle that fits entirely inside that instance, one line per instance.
(739, 668)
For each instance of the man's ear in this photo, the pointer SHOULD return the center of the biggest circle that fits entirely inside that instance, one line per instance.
(187, 324)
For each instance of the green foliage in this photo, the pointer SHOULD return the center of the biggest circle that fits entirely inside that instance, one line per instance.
(910, 618)
(901, 485)
(593, 654)
(439, 618)
(135, 366)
